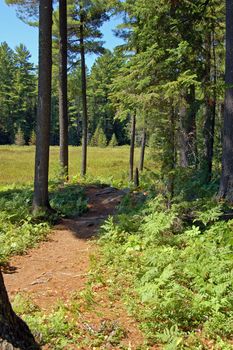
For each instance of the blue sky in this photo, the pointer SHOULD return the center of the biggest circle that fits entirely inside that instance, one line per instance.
(14, 32)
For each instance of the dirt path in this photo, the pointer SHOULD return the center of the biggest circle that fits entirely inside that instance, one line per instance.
(58, 267)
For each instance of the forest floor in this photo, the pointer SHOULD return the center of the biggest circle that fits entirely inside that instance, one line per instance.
(58, 268)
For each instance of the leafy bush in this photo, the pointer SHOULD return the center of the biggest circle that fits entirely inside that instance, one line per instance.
(19, 230)
(69, 200)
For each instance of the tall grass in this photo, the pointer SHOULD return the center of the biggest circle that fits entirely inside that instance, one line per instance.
(17, 163)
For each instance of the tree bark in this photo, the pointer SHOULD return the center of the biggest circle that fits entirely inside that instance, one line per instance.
(14, 333)
(132, 146)
(171, 154)
(188, 146)
(210, 111)
(226, 182)
(41, 200)
(143, 147)
(63, 109)
(136, 178)
(84, 101)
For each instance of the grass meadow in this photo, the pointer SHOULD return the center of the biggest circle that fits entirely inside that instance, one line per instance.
(109, 164)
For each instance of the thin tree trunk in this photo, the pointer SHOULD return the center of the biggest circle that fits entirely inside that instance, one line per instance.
(84, 102)
(188, 145)
(226, 182)
(63, 109)
(222, 122)
(136, 178)
(210, 102)
(13, 331)
(183, 160)
(132, 146)
(41, 200)
(143, 147)
(171, 154)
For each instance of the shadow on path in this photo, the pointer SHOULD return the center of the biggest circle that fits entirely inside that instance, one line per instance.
(59, 266)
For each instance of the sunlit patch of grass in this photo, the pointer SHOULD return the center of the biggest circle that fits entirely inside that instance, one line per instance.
(17, 163)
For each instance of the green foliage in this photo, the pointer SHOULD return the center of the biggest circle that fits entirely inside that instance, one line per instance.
(92, 14)
(65, 325)
(113, 142)
(101, 111)
(19, 230)
(102, 140)
(180, 275)
(54, 328)
(19, 138)
(17, 93)
(32, 140)
(69, 200)
(98, 139)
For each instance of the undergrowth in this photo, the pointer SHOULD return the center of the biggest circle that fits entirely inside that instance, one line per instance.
(19, 229)
(171, 262)
(68, 325)
(175, 274)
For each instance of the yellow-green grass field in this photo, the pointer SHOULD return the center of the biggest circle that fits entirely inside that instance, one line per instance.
(109, 164)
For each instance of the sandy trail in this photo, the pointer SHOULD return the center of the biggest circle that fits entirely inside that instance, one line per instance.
(58, 267)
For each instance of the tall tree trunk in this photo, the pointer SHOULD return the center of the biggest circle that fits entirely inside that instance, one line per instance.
(183, 159)
(63, 110)
(41, 200)
(226, 182)
(136, 178)
(84, 101)
(188, 146)
(143, 146)
(132, 146)
(13, 331)
(171, 156)
(210, 110)
(222, 112)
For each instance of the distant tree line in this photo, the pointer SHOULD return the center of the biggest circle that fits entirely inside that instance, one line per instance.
(18, 91)
(18, 100)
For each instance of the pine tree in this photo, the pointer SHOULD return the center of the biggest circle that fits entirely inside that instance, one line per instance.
(101, 111)
(7, 95)
(32, 141)
(94, 139)
(19, 138)
(87, 17)
(24, 91)
(102, 140)
(98, 139)
(17, 92)
(113, 142)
